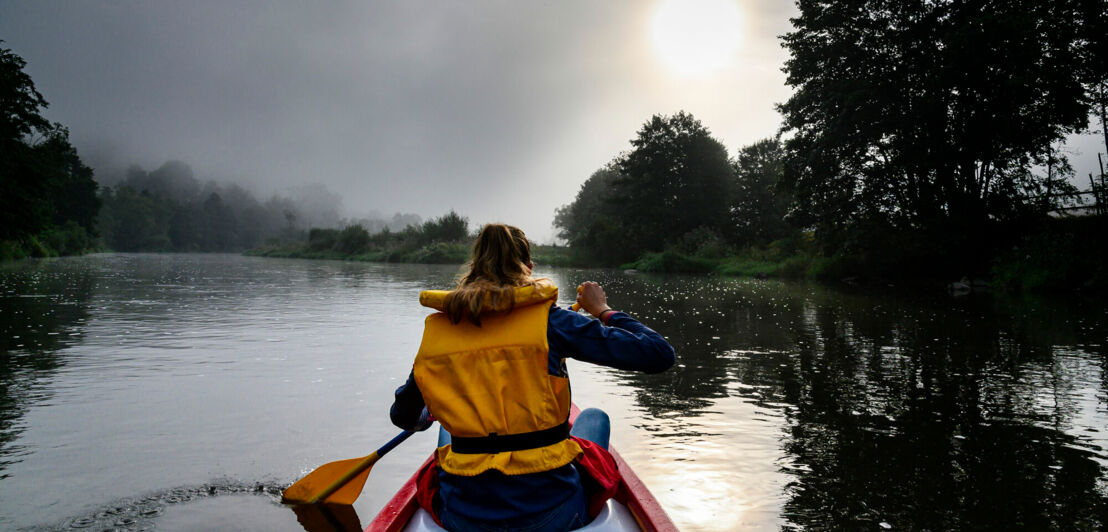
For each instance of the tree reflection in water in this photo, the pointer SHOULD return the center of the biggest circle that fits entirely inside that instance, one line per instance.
(914, 410)
(42, 308)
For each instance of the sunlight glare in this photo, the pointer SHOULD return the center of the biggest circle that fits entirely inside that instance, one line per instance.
(696, 37)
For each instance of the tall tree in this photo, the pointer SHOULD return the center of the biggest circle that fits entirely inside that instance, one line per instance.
(674, 180)
(759, 206)
(20, 103)
(588, 224)
(922, 113)
(43, 183)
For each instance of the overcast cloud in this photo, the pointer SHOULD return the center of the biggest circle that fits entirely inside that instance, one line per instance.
(499, 110)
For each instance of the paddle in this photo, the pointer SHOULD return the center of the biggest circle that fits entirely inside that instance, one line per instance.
(338, 482)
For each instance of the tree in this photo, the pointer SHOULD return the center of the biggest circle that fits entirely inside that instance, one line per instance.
(450, 227)
(20, 103)
(759, 206)
(44, 185)
(588, 224)
(674, 180)
(925, 115)
(134, 221)
(219, 225)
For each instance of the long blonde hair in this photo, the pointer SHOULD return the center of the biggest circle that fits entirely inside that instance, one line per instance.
(501, 261)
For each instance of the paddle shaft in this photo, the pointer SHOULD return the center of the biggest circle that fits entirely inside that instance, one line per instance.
(366, 463)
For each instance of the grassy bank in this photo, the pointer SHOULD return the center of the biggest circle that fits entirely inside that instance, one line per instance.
(760, 263)
(436, 253)
(1057, 255)
(1062, 254)
(69, 239)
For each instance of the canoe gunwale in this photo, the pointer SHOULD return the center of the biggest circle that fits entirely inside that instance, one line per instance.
(648, 512)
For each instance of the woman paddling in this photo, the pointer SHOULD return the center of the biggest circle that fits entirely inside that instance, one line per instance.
(491, 369)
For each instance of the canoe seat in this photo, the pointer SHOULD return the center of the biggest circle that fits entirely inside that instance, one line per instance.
(614, 516)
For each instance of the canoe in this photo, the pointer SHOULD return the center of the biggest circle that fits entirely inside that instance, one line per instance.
(641, 513)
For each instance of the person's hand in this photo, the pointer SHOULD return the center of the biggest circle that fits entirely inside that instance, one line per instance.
(592, 298)
(425, 421)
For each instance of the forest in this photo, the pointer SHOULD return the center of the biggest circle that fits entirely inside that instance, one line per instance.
(922, 141)
(51, 204)
(48, 201)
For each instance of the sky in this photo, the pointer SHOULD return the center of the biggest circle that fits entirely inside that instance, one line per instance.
(497, 110)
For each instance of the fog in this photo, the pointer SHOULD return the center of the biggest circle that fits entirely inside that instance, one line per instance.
(497, 110)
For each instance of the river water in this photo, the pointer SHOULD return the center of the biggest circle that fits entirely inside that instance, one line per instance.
(182, 392)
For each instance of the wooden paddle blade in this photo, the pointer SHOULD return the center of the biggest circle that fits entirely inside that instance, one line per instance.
(349, 492)
(344, 480)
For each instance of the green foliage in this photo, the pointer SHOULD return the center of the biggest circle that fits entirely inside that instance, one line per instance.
(450, 227)
(921, 114)
(70, 239)
(748, 267)
(676, 179)
(10, 250)
(135, 222)
(703, 242)
(20, 103)
(442, 240)
(352, 240)
(167, 209)
(46, 191)
(35, 248)
(1063, 255)
(439, 253)
(759, 205)
(322, 239)
(551, 255)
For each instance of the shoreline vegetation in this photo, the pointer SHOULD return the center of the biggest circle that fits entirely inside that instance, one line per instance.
(929, 173)
(1063, 254)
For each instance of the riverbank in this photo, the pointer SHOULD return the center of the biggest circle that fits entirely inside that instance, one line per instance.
(437, 253)
(1061, 254)
(70, 239)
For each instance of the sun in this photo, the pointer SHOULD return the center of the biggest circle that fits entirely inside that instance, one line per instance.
(696, 37)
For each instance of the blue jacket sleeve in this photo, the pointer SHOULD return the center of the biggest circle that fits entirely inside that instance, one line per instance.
(622, 344)
(407, 406)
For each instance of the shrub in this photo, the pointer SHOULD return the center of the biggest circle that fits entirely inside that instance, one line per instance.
(439, 253)
(352, 240)
(11, 250)
(322, 239)
(703, 242)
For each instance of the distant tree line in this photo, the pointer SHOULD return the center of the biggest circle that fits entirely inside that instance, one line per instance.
(923, 135)
(48, 202)
(445, 239)
(168, 209)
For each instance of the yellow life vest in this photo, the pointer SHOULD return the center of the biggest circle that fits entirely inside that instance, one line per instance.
(490, 385)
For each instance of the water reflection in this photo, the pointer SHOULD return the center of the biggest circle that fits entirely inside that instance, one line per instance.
(894, 410)
(792, 406)
(43, 306)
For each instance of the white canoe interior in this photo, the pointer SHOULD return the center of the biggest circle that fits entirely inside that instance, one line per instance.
(614, 516)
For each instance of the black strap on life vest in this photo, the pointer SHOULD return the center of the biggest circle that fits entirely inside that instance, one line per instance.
(495, 443)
